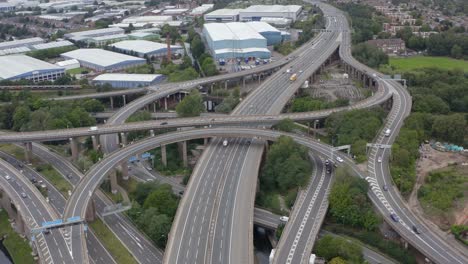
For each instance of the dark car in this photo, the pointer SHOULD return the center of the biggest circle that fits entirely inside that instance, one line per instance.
(33, 180)
(46, 231)
(385, 188)
(181, 193)
(395, 217)
(163, 123)
(416, 230)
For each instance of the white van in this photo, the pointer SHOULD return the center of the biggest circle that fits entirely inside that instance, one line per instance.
(387, 132)
(225, 143)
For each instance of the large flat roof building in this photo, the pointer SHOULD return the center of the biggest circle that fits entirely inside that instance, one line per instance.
(223, 15)
(257, 12)
(83, 35)
(103, 60)
(119, 80)
(153, 20)
(53, 45)
(142, 48)
(25, 67)
(200, 10)
(20, 43)
(234, 40)
(272, 35)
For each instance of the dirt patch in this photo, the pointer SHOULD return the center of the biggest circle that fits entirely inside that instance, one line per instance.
(429, 161)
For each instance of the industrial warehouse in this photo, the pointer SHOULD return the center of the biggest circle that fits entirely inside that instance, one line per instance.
(142, 48)
(25, 67)
(103, 60)
(241, 40)
(255, 13)
(121, 80)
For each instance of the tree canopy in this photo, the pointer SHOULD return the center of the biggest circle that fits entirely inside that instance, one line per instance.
(191, 105)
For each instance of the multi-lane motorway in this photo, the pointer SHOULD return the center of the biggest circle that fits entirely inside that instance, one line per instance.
(52, 247)
(214, 220)
(98, 254)
(138, 245)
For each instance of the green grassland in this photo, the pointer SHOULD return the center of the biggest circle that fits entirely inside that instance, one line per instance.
(417, 62)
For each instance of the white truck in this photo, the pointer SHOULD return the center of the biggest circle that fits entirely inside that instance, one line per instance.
(93, 128)
(225, 143)
(387, 132)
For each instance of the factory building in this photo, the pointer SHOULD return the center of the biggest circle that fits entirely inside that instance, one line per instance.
(200, 10)
(25, 67)
(222, 15)
(53, 45)
(235, 40)
(68, 64)
(142, 48)
(149, 20)
(103, 60)
(20, 43)
(84, 35)
(272, 35)
(257, 12)
(118, 80)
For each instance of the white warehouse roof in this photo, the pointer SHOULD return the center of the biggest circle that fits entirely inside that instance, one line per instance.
(115, 77)
(100, 57)
(51, 45)
(141, 46)
(147, 19)
(20, 42)
(95, 32)
(228, 31)
(261, 27)
(67, 63)
(225, 12)
(14, 50)
(22, 64)
(273, 8)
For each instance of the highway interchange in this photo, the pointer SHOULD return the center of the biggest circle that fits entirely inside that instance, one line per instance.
(215, 217)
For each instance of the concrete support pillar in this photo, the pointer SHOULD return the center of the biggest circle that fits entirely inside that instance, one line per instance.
(112, 102)
(206, 141)
(154, 107)
(123, 137)
(225, 85)
(28, 152)
(90, 211)
(243, 82)
(184, 153)
(151, 133)
(165, 103)
(74, 148)
(6, 204)
(20, 225)
(163, 155)
(124, 169)
(95, 143)
(124, 98)
(113, 181)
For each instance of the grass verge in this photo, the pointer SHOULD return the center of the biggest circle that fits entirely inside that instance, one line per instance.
(111, 243)
(19, 248)
(418, 62)
(55, 178)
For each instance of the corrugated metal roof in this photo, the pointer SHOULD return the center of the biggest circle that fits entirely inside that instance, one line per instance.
(100, 57)
(67, 62)
(51, 45)
(21, 64)
(14, 51)
(225, 12)
(142, 46)
(115, 77)
(25, 42)
(262, 27)
(272, 8)
(95, 32)
(229, 31)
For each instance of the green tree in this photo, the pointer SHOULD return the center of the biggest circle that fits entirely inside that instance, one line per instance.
(40, 120)
(21, 118)
(93, 106)
(330, 247)
(163, 200)
(286, 167)
(286, 125)
(337, 260)
(456, 52)
(369, 55)
(191, 105)
(450, 128)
